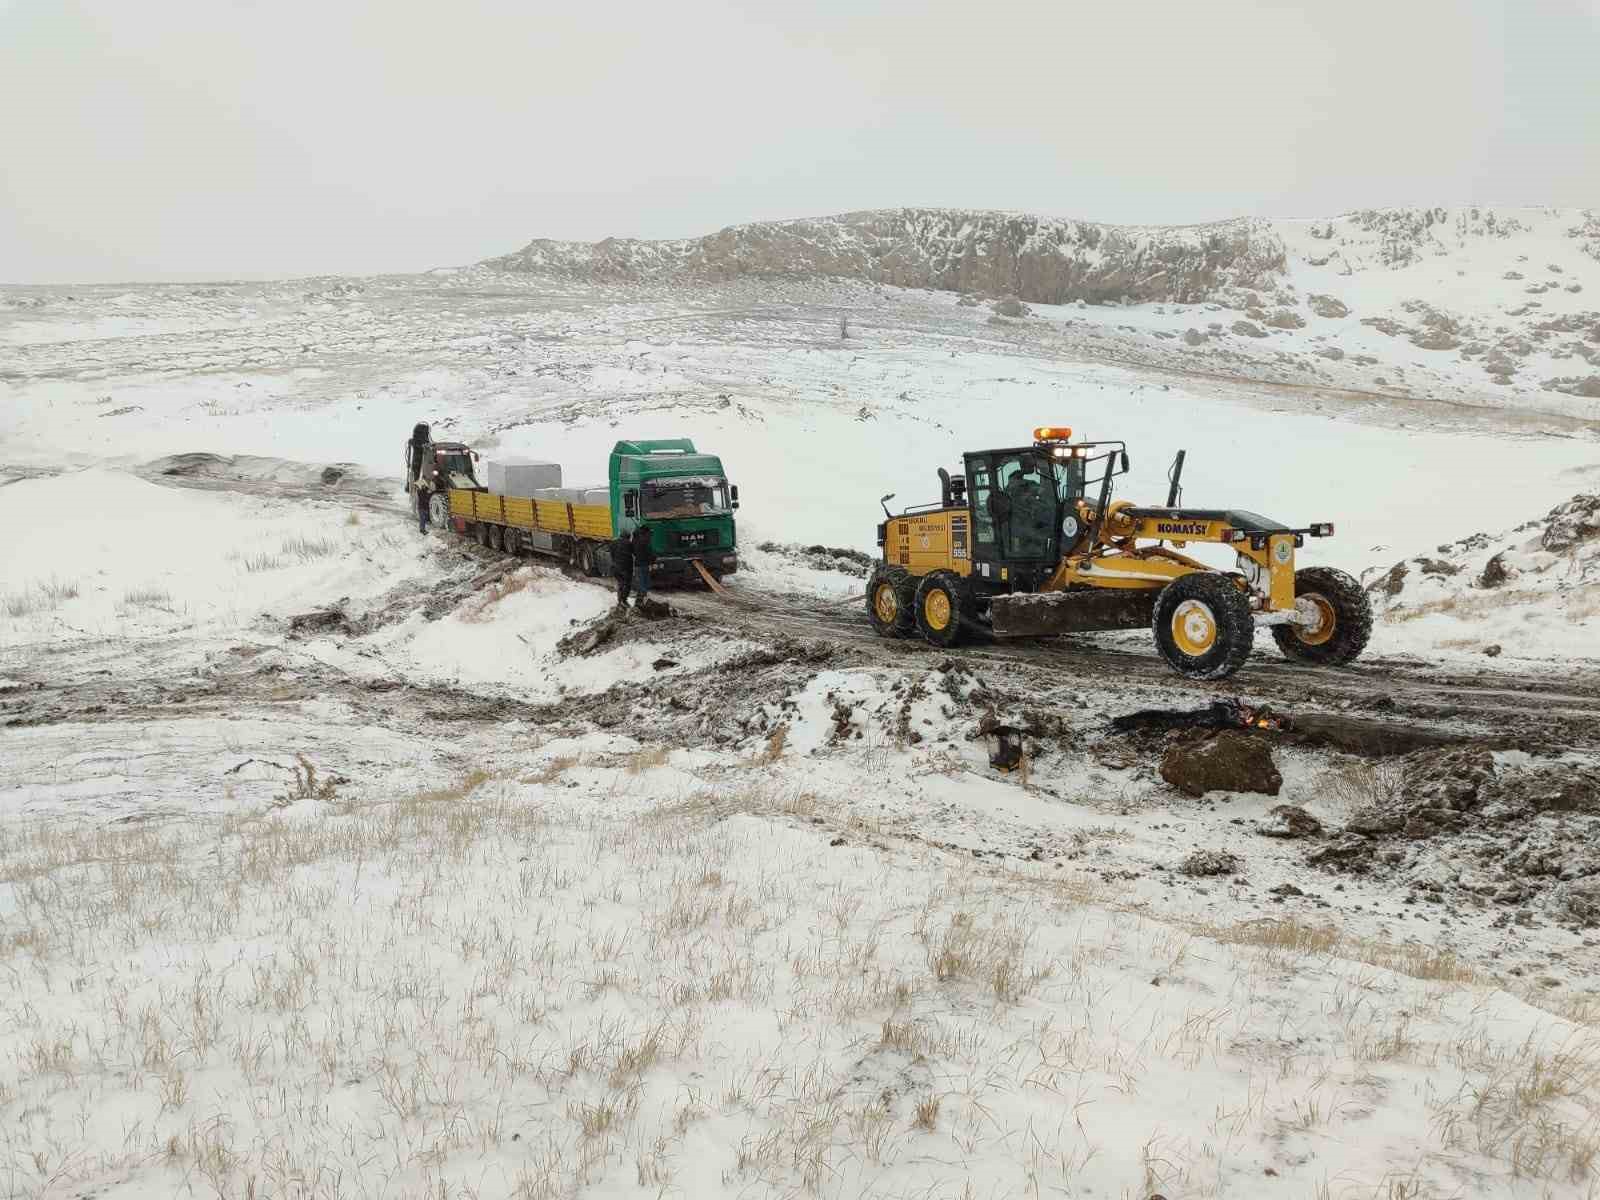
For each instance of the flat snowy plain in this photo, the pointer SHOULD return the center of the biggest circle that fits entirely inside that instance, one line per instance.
(415, 902)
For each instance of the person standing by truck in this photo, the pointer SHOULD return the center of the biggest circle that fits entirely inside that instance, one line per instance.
(643, 555)
(622, 566)
(424, 494)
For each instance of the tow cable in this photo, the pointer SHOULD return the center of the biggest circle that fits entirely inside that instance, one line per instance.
(711, 580)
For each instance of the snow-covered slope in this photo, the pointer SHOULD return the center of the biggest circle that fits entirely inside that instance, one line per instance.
(1504, 294)
(1532, 591)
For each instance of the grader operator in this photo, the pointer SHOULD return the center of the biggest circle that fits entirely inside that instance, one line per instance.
(1028, 542)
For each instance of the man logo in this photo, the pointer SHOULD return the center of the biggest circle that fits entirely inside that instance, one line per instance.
(1182, 528)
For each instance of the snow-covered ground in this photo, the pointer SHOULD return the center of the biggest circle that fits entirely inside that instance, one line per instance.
(333, 866)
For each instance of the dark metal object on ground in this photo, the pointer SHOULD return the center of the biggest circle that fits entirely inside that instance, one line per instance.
(1219, 714)
(1007, 755)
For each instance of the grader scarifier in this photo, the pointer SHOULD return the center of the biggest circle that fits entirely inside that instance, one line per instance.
(1029, 542)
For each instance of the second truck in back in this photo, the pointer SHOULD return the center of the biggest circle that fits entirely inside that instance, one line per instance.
(682, 495)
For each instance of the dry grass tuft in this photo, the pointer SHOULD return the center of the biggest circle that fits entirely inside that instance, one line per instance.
(646, 759)
(258, 562)
(304, 549)
(307, 784)
(149, 596)
(480, 607)
(1357, 784)
(39, 598)
(552, 770)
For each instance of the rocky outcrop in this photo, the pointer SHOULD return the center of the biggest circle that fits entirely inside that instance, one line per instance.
(1571, 523)
(1041, 259)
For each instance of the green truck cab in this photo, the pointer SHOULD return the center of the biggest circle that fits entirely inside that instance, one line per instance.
(686, 500)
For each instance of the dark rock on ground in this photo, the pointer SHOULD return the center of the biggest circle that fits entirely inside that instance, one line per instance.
(1290, 821)
(1343, 849)
(1495, 572)
(1392, 582)
(1209, 862)
(1228, 762)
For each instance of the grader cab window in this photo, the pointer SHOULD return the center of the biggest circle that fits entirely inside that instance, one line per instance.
(981, 489)
(1028, 514)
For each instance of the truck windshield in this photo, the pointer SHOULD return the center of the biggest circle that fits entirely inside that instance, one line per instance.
(697, 497)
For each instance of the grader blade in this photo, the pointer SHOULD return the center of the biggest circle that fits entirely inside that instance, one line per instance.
(1036, 614)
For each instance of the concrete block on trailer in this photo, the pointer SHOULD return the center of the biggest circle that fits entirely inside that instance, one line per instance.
(520, 476)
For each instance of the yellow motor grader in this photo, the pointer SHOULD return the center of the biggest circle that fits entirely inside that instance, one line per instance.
(1028, 542)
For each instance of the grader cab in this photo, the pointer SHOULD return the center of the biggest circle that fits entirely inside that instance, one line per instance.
(1029, 542)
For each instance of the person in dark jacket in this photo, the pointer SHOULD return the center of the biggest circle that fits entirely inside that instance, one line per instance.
(424, 495)
(643, 555)
(622, 567)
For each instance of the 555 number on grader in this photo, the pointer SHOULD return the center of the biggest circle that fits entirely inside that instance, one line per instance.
(1028, 542)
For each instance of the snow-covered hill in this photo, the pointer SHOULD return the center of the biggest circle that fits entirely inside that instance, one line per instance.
(1534, 590)
(1504, 295)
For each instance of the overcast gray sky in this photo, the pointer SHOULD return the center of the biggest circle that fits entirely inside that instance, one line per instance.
(181, 139)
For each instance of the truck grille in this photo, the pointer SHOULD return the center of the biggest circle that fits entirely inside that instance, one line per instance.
(696, 539)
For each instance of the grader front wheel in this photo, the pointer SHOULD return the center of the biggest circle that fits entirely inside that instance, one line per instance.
(1203, 625)
(1342, 619)
(941, 608)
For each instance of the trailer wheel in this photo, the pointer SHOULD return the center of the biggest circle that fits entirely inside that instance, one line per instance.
(586, 559)
(1344, 619)
(511, 538)
(496, 538)
(1203, 625)
(942, 608)
(891, 601)
(483, 533)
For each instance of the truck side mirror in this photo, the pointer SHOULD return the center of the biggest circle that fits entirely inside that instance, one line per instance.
(1124, 462)
(733, 494)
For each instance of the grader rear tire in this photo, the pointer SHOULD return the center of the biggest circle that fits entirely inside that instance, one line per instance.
(891, 601)
(439, 510)
(1203, 626)
(1345, 619)
(942, 608)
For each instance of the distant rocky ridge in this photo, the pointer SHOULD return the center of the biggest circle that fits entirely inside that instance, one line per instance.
(1043, 259)
(1046, 259)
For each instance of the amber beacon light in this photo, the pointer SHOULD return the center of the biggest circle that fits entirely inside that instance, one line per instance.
(1052, 433)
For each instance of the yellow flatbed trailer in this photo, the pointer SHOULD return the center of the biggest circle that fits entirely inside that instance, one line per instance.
(577, 533)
